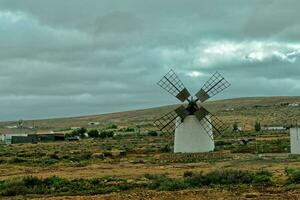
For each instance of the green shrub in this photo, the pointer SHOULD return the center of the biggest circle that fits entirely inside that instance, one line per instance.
(105, 134)
(218, 177)
(109, 134)
(262, 178)
(257, 126)
(229, 177)
(31, 181)
(293, 176)
(222, 143)
(18, 160)
(166, 149)
(152, 133)
(112, 126)
(187, 174)
(59, 186)
(78, 132)
(93, 133)
(127, 129)
(235, 127)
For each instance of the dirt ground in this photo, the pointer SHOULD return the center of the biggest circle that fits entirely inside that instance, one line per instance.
(199, 194)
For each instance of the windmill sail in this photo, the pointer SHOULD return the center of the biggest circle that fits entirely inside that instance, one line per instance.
(216, 84)
(210, 123)
(172, 84)
(168, 122)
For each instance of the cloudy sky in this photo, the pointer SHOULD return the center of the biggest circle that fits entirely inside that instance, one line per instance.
(69, 58)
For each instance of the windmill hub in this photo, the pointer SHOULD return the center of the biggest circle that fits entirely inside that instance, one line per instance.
(192, 107)
(194, 126)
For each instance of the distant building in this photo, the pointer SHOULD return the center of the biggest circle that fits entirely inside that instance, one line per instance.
(11, 127)
(293, 105)
(273, 128)
(3, 136)
(50, 137)
(30, 138)
(295, 140)
(19, 139)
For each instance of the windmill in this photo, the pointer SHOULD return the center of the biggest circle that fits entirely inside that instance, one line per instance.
(194, 125)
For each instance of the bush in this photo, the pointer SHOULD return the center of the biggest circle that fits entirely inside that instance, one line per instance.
(218, 177)
(78, 132)
(109, 134)
(93, 133)
(166, 149)
(229, 177)
(257, 127)
(162, 182)
(235, 127)
(153, 133)
(112, 126)
(293, 176)
(127, 129)
(104, 134)
(262, 178)
(59, 186)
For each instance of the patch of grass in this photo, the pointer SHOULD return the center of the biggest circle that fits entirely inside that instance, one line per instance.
(264, 146)
(218, 177)
(59, 186)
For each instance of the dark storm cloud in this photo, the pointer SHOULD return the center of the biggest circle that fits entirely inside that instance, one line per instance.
(62, 58)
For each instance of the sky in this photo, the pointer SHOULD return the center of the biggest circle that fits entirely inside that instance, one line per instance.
(72, 58)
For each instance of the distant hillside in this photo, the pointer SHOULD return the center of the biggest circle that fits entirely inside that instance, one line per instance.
(244, 111)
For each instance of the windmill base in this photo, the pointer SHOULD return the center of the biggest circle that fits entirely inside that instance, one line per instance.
(191, 137)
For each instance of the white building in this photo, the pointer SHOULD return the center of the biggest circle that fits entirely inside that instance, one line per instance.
(190, 136)
(295, 140)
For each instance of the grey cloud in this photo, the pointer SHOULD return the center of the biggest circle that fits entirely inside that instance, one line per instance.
(62, 58)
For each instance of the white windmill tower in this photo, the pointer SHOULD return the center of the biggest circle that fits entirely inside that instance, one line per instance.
(194, 125)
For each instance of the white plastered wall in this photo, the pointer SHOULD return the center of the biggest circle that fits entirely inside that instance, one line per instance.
(295, 140)
(190, 137)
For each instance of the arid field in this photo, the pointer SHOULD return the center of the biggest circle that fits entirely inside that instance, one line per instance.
(136, 165)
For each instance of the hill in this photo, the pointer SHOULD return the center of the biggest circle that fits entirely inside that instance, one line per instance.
(244, 111)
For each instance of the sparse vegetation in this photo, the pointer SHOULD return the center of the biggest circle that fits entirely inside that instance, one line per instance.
(137, 152)
(60, 186)
(219, 177)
